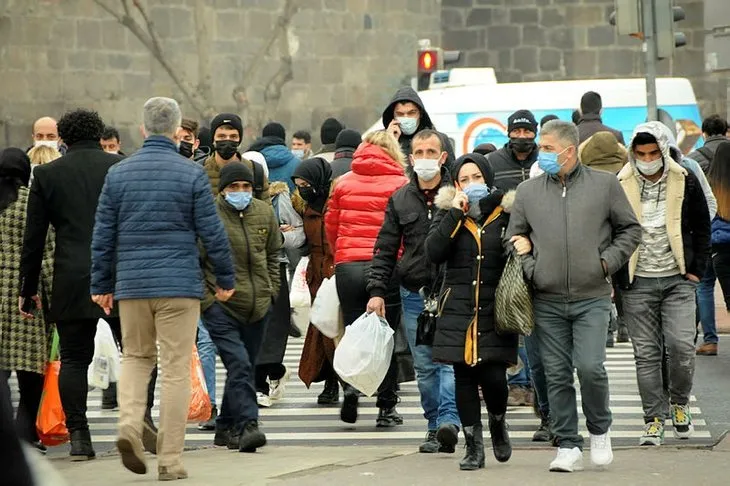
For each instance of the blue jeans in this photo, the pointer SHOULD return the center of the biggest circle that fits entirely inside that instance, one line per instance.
(706, 305)
(206, 351)
(537, 374)
(573, 335)
(435, 380)
(238, 344)
(522, 378)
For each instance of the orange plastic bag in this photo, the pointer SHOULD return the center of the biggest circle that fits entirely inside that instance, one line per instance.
(200, 407)
(51, 420)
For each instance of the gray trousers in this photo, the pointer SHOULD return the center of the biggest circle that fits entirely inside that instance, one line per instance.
(659, 314)
(573, 335)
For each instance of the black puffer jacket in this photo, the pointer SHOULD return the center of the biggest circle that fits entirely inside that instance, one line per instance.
(407, 220)
(473, 270)
(508, 171)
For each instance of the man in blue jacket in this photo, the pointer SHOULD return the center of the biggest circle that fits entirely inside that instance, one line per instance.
(154, 207)
(279, 159)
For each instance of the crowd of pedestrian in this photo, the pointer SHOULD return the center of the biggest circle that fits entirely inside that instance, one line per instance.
(192, 241)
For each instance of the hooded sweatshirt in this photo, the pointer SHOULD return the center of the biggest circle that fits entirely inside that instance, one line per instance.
(279, 159)
(603, 152)
(406, 94)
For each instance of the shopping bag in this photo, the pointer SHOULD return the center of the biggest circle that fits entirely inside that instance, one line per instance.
(513, 313)
(362, 357)
(299, 293)
(51, 420)
(106, 364)
(325, 314)
(200, 407)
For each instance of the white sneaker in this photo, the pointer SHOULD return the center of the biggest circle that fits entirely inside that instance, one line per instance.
(568, 460)
(277, 387)
(601, 452)
(264, 401)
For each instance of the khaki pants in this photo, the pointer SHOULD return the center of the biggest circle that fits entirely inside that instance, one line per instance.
(171, 322)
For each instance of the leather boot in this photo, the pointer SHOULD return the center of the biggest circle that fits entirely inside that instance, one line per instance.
(500, 437)
(81, 448)
(331, 393)
(474, 458)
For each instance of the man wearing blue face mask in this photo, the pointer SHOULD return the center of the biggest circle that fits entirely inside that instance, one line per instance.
(405, 116)
(237, 326)
(574, 227)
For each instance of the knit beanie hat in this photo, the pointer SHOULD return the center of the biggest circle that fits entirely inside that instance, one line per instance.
(234, 172)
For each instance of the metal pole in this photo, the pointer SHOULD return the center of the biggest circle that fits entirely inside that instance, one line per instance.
(650, 53)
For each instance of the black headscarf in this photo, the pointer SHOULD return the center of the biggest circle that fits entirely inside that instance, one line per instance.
(14, 172)
(318, 173)
(489, 203)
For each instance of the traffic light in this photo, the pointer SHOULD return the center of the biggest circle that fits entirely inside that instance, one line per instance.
(665, 15)
(429, 60)
(626, 17)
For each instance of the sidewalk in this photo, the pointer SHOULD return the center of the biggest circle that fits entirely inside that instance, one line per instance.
(351, 466)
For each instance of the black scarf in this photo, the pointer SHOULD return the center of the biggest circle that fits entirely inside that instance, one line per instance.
(14, 172)
(318, 173)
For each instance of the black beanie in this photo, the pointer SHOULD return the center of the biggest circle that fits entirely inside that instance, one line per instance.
(522, 119)
(234, 172)
(274, 129)
(348, 138)
(226, 119)
(329, 131)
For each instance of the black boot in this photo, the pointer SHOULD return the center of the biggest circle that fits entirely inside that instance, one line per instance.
(623, 332)
(331, 393)
(81, 448)
(388, 417)
(500, 437)
(109, 397)
(348, 413)
(251, 437)
(474, 458)
(543, 433)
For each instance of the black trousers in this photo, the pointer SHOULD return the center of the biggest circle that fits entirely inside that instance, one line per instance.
(491, 378)
(14, 467)
(721, 261)
(31, 389)
(271, 371)
(352, 291)
(76, 339)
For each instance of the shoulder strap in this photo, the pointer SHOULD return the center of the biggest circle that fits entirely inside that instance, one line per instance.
(258, 180)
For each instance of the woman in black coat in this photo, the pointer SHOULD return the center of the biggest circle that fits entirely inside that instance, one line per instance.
(467, 236)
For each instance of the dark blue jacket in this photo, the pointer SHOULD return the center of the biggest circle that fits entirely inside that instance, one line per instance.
(152, 210)
(720, 231)
(281, 163)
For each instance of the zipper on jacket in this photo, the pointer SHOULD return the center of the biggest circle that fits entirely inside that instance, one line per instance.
(567, 242)
(251, 267)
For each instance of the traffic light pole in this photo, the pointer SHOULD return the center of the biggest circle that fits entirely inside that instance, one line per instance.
(650, 56)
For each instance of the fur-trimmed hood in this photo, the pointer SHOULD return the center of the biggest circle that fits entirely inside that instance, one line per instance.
(277, 188)
(445, 198)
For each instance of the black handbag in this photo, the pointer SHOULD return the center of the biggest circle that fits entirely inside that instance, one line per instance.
(432, 298)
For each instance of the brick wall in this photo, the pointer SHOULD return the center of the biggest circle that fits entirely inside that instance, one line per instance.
(538, 40)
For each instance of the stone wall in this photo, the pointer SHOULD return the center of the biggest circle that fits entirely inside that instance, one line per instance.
(538, 40)
(348, 57)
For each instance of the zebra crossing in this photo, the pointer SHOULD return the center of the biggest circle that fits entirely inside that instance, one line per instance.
(298, 420)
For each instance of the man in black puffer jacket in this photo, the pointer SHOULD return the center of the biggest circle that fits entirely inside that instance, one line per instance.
(407, 219)
(512, 163)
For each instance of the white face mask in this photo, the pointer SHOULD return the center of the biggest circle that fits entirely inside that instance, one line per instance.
(649, 168)
(408, 125)
(426, 169)
(46, 143)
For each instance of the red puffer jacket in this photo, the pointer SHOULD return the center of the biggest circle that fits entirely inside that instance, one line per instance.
(356, 209)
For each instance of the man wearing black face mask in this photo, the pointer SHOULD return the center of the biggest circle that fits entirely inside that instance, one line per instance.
(512, 162)
(227, 131)
(189, 142)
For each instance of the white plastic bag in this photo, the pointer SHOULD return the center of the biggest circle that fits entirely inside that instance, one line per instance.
(363, 355)
(325, 314)
(106, 364)
(299, 294)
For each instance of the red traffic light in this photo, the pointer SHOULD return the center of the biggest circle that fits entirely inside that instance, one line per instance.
(427, 61)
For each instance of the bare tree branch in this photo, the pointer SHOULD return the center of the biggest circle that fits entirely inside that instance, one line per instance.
(150, 25)
(110, 10)
(125, 5)
(203, 41)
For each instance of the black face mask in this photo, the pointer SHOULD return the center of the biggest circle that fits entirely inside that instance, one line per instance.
(226, 148)
(522, 145)
(186, 149)
(309, 194)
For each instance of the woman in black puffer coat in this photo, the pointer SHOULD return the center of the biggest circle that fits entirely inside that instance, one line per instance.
(467, 236)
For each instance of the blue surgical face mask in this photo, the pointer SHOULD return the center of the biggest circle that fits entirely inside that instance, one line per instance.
(548, 162)
(476, 192)
(298, 153)
(408, 125)
(239, 200)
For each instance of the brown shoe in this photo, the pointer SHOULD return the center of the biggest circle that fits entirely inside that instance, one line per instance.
(516, 396)
(707, 349)
(131, 450)
(171, 473)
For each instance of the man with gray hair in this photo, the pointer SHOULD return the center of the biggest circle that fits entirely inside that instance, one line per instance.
(574, 228)
(154, 207)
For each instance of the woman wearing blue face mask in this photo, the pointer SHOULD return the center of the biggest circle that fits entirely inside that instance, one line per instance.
(237, 325)
(467, 237)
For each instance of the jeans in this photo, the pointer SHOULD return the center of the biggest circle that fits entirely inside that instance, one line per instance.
(573, 335)
(238, 344)
(206, 352)
(706, 305)
(660, 315)
(522, 378)
(435, 380)
(537, 373)
(491, 378)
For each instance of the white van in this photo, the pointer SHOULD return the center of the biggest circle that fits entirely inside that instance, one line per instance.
(472, 108)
